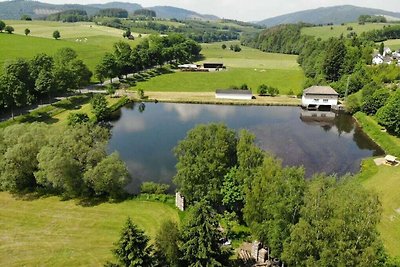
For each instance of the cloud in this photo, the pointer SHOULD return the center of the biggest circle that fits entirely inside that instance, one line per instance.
(187, 113)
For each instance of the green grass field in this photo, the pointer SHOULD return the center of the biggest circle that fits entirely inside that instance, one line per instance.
(250, 66)
(99, 40)
(51, 232)
(325, 32)
(393, 44)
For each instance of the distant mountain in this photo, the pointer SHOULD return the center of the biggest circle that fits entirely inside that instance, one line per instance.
(169, 12)
(130, 7)
(324, 15)
(15, 9)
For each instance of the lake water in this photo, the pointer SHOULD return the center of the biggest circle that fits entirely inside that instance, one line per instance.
(145, 134)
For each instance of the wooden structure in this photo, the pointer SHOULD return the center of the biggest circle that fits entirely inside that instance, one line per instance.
(210, 65)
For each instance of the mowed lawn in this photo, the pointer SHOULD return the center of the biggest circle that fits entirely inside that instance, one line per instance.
(325, 32)
(51, 232)
(386, 183)
(250, 66)
(90, 41)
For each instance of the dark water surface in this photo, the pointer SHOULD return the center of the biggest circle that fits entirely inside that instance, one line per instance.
(326, 142)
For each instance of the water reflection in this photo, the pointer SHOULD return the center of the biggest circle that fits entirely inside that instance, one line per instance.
(321, 142)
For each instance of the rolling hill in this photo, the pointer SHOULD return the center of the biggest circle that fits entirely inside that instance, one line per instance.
(16, 8)
(324, 15)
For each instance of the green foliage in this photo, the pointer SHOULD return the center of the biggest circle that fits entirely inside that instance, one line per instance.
(153, 188)
(353, 104)
(108, 177)
(201, 238)
(371, 19)
(132, 249)
(71, 15)
(140, 93)
(223, 46)
(166, 245)
(334, 59)
(56, 35)
(381, 48)
(113, 12)
(235, 48)
(145, 12)
(77, 118)
(273, 201)
(371, 103)
(233, 191)
(389, 115)
(100, 107)
(26, 17)
(263, 90)
(337, 227)
(2, 25)
(27, 31)
(9, 29)
(204, 158)
(108, 67)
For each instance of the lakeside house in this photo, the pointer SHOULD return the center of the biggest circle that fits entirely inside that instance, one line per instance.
(388, 57)
(316, 97)
(234, 94)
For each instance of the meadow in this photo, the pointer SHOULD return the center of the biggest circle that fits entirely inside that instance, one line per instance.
(393, 44)
(326, 32)
(250, 66)
(51, 232)
(99, 40)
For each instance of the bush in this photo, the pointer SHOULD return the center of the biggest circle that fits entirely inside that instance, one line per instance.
(262, 89)
(140, 93)
(353, 104)
(153, 188)
(77, 118)
(9, 29)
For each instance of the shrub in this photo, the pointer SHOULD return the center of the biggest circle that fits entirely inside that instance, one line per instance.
(154, 188)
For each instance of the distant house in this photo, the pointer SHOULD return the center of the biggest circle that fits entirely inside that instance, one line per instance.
(377, 59)
(387, 51)
(317, 97)
(396, 55)
(234, 94)
(188, 67)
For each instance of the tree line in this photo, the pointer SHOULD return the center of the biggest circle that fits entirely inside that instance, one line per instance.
(151, 52)
(24, 82)
(70, 161)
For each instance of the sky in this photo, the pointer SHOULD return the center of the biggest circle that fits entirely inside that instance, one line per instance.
(247, 10)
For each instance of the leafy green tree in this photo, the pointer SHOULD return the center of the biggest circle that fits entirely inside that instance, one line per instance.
(223, 46)
(232, 191)
(133, 249)
(166, 245)
(389, 115)
(107, 68)
(44, 84)
(204, 157)
(9, 29)
(22, 143)
(201, 238)
(122, 52)
(372, 103)
(27, 31)
(99, 106)
(334, 59)
(353, 104)
(40, 62)
(77, 118)
(81, 71)
(273, 201)
(262, 89)
(337, 227)
(153, 188)
(272, 91)
(64, 56)
(108, 177)
(381, 48)
(56, 35)
(2, 25)
(26, 17)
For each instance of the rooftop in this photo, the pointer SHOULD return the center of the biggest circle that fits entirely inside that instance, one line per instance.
(320, 90)
(233, 92)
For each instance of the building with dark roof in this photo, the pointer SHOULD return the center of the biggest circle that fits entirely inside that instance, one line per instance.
(316, 97)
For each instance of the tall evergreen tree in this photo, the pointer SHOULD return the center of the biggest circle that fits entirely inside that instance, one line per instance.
(334, 59)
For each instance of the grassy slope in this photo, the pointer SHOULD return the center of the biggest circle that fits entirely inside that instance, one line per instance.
(99, 40)
(250, 66)
(385, 181)
(325, 32)
(393, 44)
(50, 232)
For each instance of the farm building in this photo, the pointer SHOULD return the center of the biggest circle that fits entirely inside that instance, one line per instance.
(318, 97)
(213, 65)
(234, 94)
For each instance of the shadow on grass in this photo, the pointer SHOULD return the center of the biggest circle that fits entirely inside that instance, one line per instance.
(39, 117)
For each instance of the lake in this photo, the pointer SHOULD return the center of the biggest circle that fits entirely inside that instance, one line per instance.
(145, 134)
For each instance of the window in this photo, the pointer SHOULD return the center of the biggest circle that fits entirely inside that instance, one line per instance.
(325, 100)
(316, 99)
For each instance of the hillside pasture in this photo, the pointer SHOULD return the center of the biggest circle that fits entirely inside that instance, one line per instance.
(325, 32)
(393, 44)
(250, 66)
(51, 232)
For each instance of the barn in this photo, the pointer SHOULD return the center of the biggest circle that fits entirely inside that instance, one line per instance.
(234, 94)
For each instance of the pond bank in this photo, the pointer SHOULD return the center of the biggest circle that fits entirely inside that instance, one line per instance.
(209, 98)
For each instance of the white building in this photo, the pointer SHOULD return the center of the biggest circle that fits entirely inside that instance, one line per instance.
(377, 60)
(234, 94)
(319, 96)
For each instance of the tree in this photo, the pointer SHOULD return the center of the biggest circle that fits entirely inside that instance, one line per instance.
(371, 103)
(381, 48)
(26, 17)
(27, 31)
(337, 227)
(352, 104)
(334, 59)
(9, 29)
(99, 106)
(233, 191)
(201, 238)
(204, 157)
(81, 71)
(389, 115)
(223, 46)
(77, 118)
(132, 249)
(44, 83)
(56, 35)
(108, 177)
(272, 203)
(166, 245)
(153, 188)
(2, 25)
(108, 67)
(122, 52)
(262, 90)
